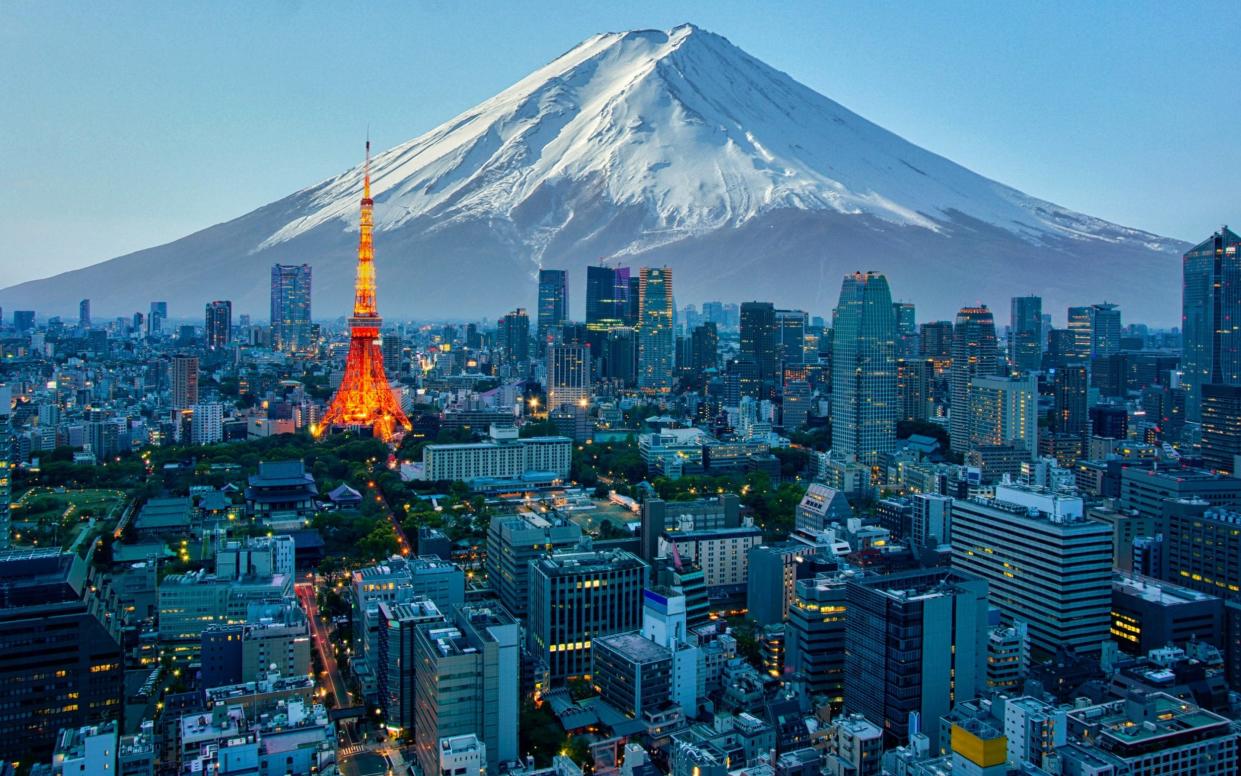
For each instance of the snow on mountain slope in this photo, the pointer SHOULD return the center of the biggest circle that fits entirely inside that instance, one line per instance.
(692, 129)
(649, 147)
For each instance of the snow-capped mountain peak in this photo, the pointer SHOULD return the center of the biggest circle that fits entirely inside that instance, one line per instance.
(653, 147)
(687, 126)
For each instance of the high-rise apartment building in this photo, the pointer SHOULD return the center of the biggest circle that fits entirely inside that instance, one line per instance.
(219, 324)
(568, 376)
(1211, 317)
(655, 337)
(84, 314)
(183, 377)
(1047, 565)
(1025, 333)
(864, 396)
(290, 308)
(915, 643)
(973, 355)
(553, 301)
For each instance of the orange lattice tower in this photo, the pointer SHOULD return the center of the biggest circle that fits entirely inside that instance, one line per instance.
(364, 397)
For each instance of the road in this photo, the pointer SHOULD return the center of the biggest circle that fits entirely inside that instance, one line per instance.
(401, 539)
(318, 631)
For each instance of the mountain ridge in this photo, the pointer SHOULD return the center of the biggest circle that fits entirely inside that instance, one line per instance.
(645, 146)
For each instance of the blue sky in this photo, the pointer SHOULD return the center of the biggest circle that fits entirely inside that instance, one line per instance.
(126, 125)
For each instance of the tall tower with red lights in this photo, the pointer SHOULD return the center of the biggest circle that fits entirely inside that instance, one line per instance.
(364, 397)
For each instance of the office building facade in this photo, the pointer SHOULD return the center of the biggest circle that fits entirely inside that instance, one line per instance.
(290, 308)
(864, 396)
(1046, 564)
(654, 327)
(576, 597)
(553, 302)
(1211, 317)
(973, 355)
(914, 642)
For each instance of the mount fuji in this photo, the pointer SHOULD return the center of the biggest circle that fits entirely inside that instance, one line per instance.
(644, 148)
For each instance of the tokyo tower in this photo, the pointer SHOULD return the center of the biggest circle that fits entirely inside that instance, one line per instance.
(364, 397)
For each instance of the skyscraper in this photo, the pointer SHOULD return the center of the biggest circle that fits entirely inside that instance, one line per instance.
(1221, 427)
(553, 301)
(156, 318)
(1104, 330)
(704, 347)
(1081, 327)
(219, 324)
(1069, 400)
(290, 307)
(1211, 316)
(758, 337)
(568, 376)
(1025, 333)
(183, 377)
(906, 329)
(935, 343)
(655, 339)
(791, 328)
(84, 314)
(61, 666)
(606, 303)
(1004, 412)
(864, 397)
(973, 355)
(621, 356)
(515, 335)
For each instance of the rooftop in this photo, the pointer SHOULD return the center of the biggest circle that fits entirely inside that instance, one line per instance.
(1156, 591)
(1123, 723)
(634, 647)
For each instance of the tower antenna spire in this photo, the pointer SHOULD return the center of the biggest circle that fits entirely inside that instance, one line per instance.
(364, 397)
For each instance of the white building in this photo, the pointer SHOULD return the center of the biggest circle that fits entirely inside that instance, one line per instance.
(504, 455)
(207, 424)
(463, 755)
(723, 553)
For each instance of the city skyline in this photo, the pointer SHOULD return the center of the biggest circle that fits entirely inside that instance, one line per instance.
(657, 415)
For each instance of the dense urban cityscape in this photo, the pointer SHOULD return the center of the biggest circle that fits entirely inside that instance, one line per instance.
(741, 539)
(729, 538)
